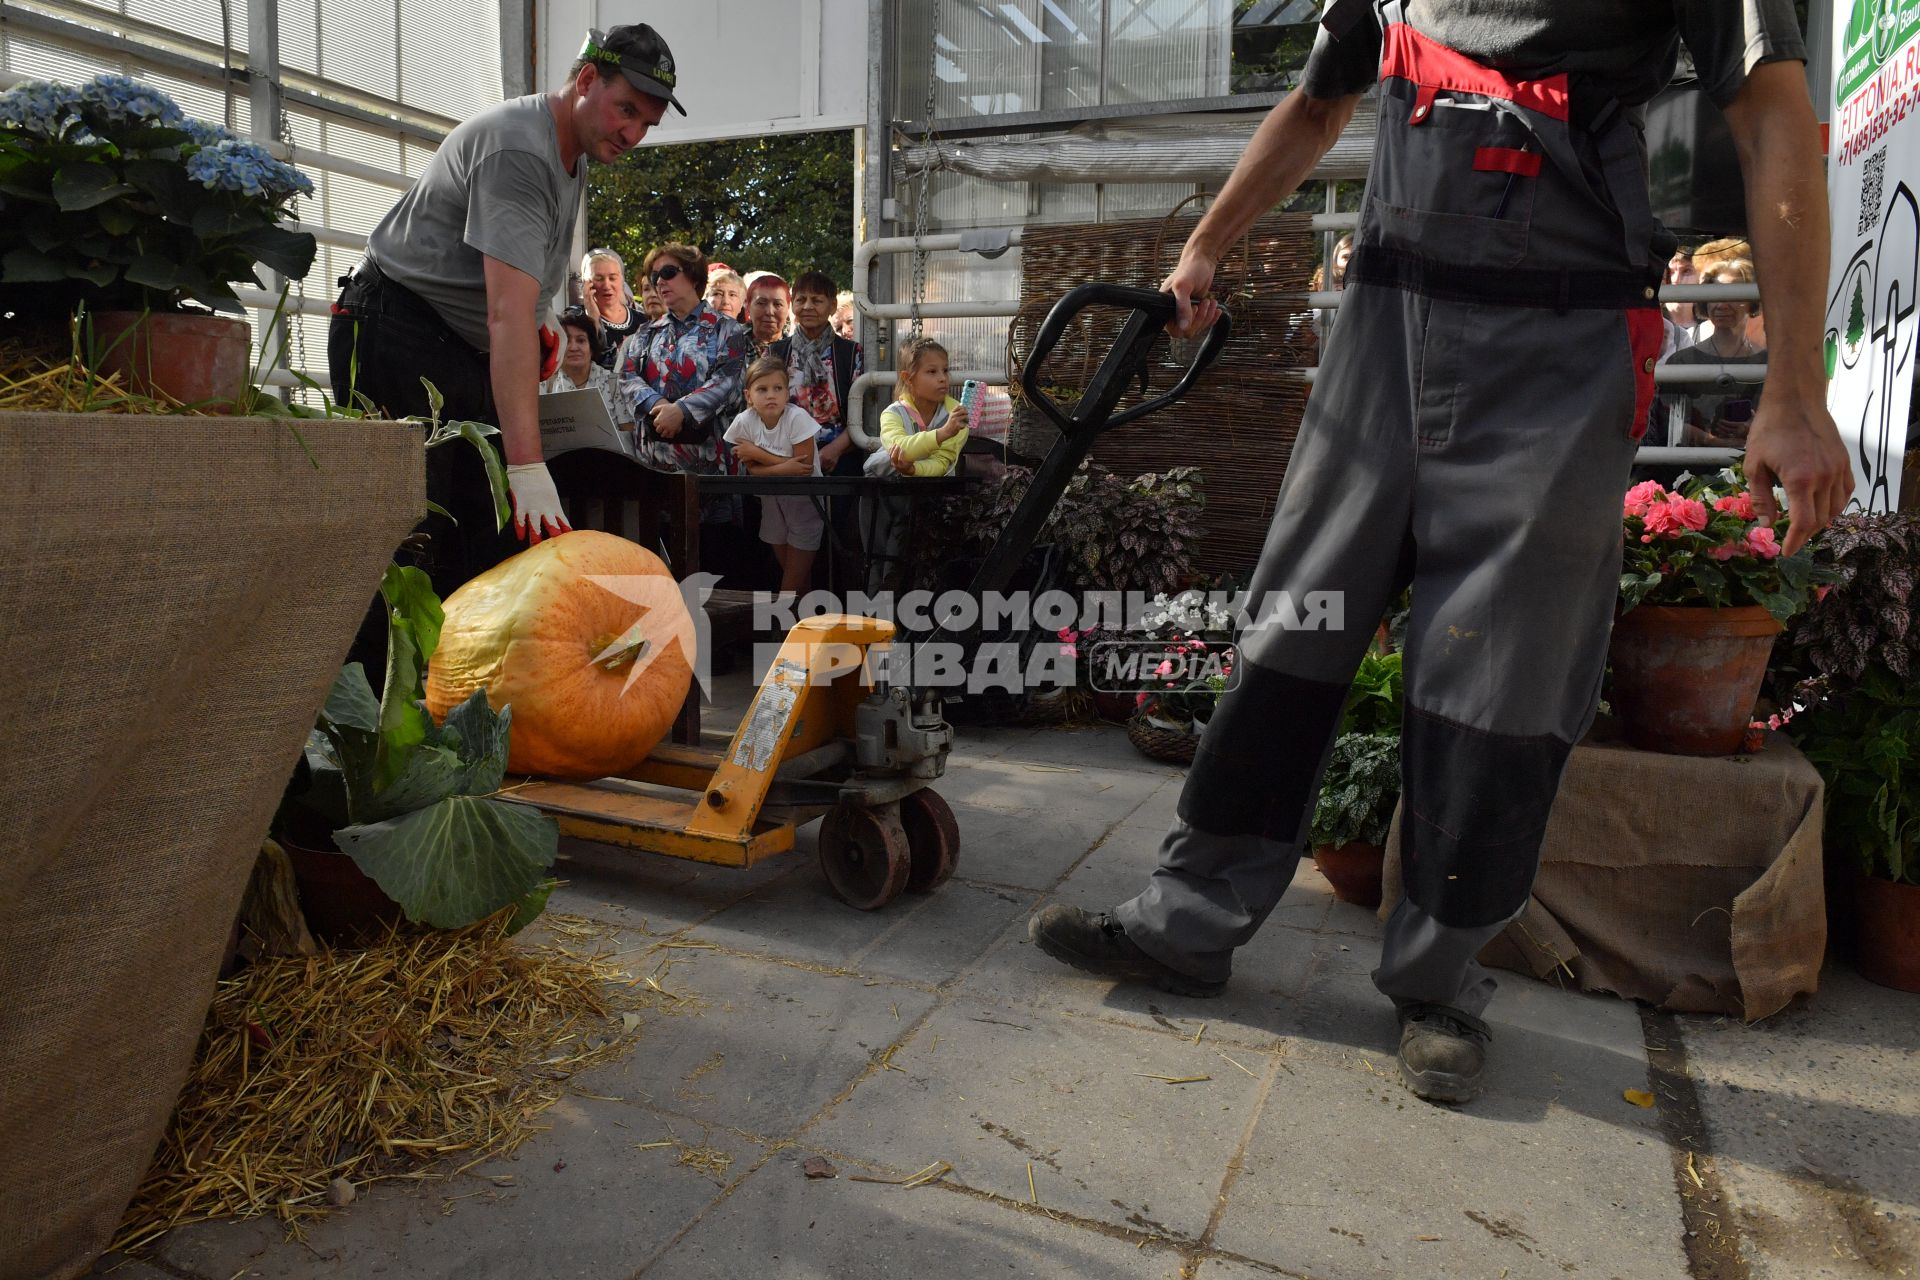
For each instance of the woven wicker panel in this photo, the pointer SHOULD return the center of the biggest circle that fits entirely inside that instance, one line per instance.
(1238, 424)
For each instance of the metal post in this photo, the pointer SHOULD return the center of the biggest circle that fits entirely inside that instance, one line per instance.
(265, 108)
(516, 48)
(875, 173)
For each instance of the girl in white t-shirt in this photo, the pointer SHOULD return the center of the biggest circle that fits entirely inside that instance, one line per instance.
(774, 437)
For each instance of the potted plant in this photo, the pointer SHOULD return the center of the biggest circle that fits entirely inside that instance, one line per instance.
(1361, 784)
(1846, 682)
(117, 205)
(1112, 534)
(383, 795)
(1704, 590)
(1195, 628)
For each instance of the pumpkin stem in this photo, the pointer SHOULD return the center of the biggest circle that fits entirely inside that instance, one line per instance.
(610, 652)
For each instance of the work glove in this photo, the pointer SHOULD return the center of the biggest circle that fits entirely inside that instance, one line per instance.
(549, 352)
(536, 503)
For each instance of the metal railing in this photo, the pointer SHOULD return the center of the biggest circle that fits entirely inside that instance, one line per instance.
(992, 241)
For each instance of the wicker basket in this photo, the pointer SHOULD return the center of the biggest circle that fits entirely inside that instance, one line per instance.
(1173, 746)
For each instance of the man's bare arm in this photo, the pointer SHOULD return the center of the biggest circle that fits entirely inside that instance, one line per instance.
(1284, 149)
(513, 299)
(1793, 440)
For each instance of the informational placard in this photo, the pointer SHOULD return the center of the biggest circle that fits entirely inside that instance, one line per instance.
(1873, 175)
(572, 420)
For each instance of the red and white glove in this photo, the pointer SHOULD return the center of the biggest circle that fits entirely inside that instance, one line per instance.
(536, 503)
(550, 346)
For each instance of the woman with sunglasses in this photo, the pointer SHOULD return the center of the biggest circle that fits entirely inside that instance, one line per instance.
(682, 372)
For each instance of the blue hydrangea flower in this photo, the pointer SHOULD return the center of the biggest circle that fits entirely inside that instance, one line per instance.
(119, 99)
(203, 133)
(246, 167)
(39, 108)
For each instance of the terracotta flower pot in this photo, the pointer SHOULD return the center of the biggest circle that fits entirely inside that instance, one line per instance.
(1685, 678)
(341, 902)
(195, 359)
(1354, 870)
(1887, 931)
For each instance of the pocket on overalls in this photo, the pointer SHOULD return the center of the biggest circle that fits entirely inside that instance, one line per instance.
(1646, 334)
(1455, 178)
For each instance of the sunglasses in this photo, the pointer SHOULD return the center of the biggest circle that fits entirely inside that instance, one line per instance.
(668, 272)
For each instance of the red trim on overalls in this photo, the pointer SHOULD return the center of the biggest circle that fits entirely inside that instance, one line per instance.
(1507, 160)
(1646, 334)
(1431, 65)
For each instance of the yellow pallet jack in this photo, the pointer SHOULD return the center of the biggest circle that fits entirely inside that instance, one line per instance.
(823, 738)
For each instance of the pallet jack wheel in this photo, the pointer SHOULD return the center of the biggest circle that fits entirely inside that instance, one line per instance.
(865, 854)
(933, 835)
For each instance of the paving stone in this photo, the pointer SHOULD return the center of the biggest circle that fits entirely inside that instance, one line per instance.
(1024, 787)
(1347, 1172)
(1031, 850)
(582, 1202)
(1814, 1125)
(762, 1045)
(1252, 1011)
(992, 1089)
(658, 894)
(925, 938)
(1542, 1058)
(782, 1223)
(1103, 746)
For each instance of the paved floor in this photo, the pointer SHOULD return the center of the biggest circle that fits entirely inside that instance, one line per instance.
(933, 1032)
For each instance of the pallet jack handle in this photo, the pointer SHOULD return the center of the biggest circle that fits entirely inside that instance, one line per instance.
(1094, 412)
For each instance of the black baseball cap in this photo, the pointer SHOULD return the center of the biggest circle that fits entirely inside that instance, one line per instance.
(640, 54)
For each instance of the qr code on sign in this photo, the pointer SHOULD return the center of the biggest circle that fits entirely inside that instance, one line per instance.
(1872, 174)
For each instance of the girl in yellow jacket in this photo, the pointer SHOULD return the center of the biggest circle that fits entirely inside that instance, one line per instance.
(924, 430)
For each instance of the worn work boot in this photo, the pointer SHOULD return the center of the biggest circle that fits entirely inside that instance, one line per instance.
(1443, 1052)
(1097, 944)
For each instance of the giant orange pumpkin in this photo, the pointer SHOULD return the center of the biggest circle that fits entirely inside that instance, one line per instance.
(586, 637)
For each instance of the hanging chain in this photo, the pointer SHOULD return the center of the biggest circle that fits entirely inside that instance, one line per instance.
(924, 197)
(296, 322)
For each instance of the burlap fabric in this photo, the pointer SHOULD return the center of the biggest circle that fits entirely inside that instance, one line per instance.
(1688, 882)
(178, 595)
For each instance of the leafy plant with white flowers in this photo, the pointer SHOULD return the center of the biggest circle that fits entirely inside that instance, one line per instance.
(111, 197)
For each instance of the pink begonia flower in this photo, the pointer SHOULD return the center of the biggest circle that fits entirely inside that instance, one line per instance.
(1773, 722)
(1675, 516)
(1761, 543)
(1643, 496)
(1741, 504)
(1728, 551)
(1820, 592)
(1066, 633)
(1164, 667)
(1069, 651)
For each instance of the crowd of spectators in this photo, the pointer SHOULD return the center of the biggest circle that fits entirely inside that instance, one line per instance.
(669, 349)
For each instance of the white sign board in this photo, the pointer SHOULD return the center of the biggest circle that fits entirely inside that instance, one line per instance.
(747, 68)
(1874, 143)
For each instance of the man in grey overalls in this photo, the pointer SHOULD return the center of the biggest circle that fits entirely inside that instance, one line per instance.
(1471, 434)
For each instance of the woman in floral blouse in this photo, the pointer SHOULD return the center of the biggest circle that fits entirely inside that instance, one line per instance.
(682, 372)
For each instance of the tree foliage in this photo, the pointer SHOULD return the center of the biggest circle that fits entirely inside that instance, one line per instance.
(782, 203)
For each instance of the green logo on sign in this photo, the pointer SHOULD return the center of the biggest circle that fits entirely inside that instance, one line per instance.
(1875, 28)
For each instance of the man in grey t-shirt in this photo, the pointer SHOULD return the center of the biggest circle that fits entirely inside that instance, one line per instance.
(1470, 435)
(458, 273)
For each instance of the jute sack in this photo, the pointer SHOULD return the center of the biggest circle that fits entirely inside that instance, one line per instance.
(1692, 883)
(177, 596)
